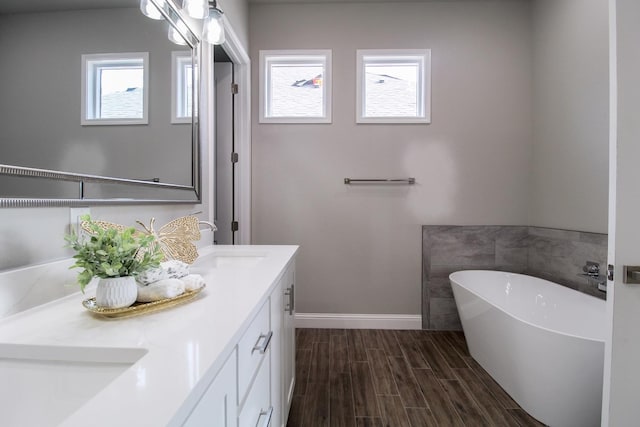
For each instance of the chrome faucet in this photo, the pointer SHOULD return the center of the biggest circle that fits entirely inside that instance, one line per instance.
(592, 271)
(211, 225)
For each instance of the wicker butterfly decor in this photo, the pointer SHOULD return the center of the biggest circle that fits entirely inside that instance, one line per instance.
(174, 239)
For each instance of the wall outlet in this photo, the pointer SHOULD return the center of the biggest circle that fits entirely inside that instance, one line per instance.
(74, 217)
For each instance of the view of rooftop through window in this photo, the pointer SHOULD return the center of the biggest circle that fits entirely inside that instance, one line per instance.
(391, 90)
(296, 90)
(121, 92)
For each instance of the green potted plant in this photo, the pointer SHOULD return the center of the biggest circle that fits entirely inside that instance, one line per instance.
(114, 254)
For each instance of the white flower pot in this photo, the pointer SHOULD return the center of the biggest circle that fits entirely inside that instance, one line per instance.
(116, 292)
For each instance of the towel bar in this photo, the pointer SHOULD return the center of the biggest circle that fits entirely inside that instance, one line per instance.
(408, 181)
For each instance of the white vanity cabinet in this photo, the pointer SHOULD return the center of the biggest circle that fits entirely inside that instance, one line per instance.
(217, 407)
(283, 349)
(289, 341)
(255, 385)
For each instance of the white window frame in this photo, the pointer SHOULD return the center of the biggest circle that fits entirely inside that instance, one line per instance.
(268, 57)
(91, 64)
(179, 59)
(388, 56)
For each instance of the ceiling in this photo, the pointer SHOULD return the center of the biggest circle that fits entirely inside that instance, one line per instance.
(21, 6)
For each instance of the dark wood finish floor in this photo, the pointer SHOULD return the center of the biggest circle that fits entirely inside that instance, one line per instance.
(359, 378)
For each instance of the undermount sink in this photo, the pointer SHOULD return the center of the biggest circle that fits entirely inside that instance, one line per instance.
(43, 385)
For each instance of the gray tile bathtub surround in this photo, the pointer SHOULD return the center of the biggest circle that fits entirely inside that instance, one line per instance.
(559, 255)
(556, 255)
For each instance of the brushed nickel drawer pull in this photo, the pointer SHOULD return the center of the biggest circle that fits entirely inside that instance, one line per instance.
(267, 421)
(265, 344)
(290, 306)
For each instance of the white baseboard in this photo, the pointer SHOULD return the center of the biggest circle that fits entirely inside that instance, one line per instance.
(358, 321)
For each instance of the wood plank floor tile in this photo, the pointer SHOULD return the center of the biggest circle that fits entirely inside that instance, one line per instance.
(296, 412)
(383, 381)
(490, 406)
(457, 340)
(464, 404)
(339, 355)
(408, 388)
(364, 394)
(319, 366)
(414, 357)
(437, 362)
(368, 422)
(441, 407)
(404, 337)
(323, 335)
(378, 378)
(444, 346)
(498, 392)
(316, 406)
(524, 419)
(390, 343)
(371, 338)
(392, 411)
(303, 363)
(304, 338)
(421, 417)
(341, 400)
(357, 351)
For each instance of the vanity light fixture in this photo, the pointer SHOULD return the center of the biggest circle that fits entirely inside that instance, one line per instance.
(150, 10)
(175, 34)
(213, 28)
(213, 31)
(197, 9)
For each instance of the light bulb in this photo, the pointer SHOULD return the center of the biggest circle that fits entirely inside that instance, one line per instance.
(176, 36)
(213, 29)
(150, 10)
(198, 9)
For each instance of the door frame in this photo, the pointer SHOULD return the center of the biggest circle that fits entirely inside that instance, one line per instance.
(241, 128)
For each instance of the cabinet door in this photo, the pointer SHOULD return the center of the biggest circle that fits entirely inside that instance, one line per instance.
(218, 407)
(289, 341)
(256, 410)
(277, 317)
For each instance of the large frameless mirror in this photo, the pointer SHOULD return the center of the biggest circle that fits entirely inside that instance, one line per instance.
(98, 104)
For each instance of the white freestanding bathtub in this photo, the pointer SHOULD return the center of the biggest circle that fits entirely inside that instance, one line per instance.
(542, 342)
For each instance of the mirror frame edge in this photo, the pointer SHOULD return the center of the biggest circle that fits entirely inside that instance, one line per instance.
(172, 14)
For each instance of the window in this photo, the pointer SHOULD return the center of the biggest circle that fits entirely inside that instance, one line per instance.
(114, 88)
(182, 74)
(393, 86)
(295, 86)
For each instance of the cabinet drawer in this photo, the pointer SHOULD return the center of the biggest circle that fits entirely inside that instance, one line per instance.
(257, 411)
(251, 349)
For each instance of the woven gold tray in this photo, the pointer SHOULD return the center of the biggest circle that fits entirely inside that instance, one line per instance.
(139, 308)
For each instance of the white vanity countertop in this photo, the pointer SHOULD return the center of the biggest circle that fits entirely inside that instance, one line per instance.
(184, 344)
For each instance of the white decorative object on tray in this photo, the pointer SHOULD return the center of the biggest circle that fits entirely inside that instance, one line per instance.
(116, 292)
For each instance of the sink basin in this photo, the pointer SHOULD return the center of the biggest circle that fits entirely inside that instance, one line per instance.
(43, 385)
(234, 260)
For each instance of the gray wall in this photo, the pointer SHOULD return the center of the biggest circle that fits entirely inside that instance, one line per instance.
(237, 11)
(361, 245)
(569, 184)
(41, 95)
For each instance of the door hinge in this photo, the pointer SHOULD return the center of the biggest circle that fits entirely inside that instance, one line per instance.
(234, 157)
(610, 269)
(234, 88)
(234, 226)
